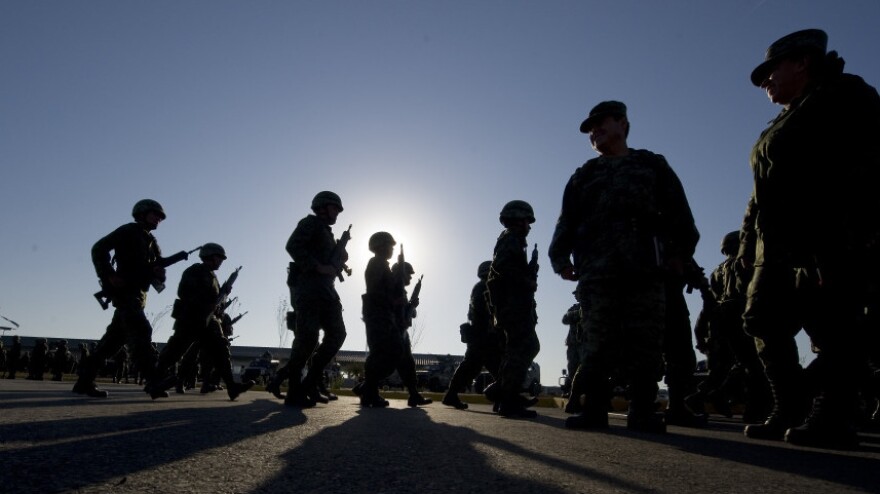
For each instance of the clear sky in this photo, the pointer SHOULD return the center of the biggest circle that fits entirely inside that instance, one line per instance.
(425, 117)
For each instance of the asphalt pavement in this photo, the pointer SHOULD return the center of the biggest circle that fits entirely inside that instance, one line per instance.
(52, 440)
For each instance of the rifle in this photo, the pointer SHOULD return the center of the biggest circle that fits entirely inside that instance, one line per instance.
(337, 257)
(533, 262)
(409, 311)
(103, 297)
(237, 318)
(226, 288)
(228, 303)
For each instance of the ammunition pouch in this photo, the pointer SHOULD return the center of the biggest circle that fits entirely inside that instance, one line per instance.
(291, 320)
(467, 332)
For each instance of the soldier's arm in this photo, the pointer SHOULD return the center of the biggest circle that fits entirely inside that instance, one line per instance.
(298, 245)
(748, 236)
(562, 244)
(677, 220)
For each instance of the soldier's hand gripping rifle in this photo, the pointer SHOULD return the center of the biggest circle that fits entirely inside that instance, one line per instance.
(339, 255)
(409, 311)
(103, 297)
(225, 290)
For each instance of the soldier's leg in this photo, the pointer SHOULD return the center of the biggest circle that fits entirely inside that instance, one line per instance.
(467, 370)
(599, 321)
(772, 318)
(334, 336)
(384, 343)
(680, 359)
(832, 311)
(305, 339)
(110, 343)
(406, 368)
(215, 348)
(641, 349)
(522, 346)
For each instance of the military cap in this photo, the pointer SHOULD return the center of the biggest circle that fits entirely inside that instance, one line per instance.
(805, 41)
(601, 111)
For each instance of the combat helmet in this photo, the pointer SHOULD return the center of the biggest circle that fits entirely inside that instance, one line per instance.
(324, 198)
(517, 209)
(144, 206)
(483, 269)
(409, 268)
(730, 243)
(211, 249)
(379, 239)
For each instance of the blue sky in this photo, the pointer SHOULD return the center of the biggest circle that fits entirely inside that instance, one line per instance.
(425, 117)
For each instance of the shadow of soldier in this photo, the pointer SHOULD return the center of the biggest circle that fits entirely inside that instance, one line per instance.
(406, 450)
(118, 444)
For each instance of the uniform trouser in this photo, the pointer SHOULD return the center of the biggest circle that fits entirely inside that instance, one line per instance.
(129, 326)
(211, 341)
(188, 367)
(311, 318)
(623, 322)
(388, 349)
(516, 319)
(486, 351)
(735, 348)
(678, 347)
(783, 299)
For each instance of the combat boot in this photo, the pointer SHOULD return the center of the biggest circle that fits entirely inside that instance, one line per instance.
(358, 388)
(322, 388)
(371, 399)
(274, 387)
(208, 388)
(511, 406)
(595, 418)
(89, 389)
(720, 403)
(417, 400)
(645, 421)
(451, 399)
(828, 426)
(683, 417)
(492, 392)
(179, 389)
(234, 389)
(298, 400)
(574, 403)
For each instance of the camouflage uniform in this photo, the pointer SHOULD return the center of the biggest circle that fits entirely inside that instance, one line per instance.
(621, 218)
(735, 349)
(196, 321)
(511, 285)
(135, 251)
(484, 345)
(384, 337)
(807, 230)
(316, 304)
(573, 344)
